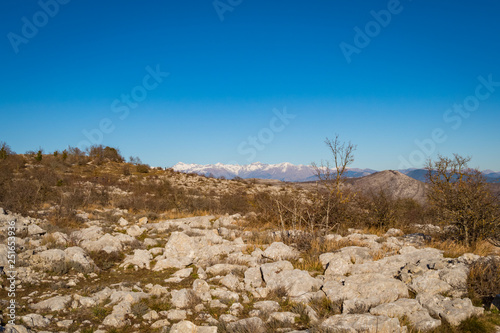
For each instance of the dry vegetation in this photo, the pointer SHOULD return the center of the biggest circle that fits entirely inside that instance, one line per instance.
(59, 186)
(63, 186)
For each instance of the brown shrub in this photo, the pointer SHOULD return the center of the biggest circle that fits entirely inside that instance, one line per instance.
(484, 279)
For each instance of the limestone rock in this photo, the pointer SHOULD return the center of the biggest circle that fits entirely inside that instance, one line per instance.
(284, 317)
(295, 282)
(453, 310)
(56, 303)
(280, 251)
(184, 327)
(411, 308)
(267, 306)
(34, 320)
(53, 260)
(253, 278)
(271, 269)
(106, 243)
(182, 298)
(80, 260)
(140, 259)
(35, 230)
(363, 323)
(254, 325)
(135, 231)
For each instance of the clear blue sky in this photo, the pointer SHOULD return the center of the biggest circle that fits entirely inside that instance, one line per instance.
(68, 69)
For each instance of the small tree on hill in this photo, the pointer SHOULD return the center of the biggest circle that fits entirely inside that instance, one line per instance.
(4, 150)
(462, 199)
(332, 177)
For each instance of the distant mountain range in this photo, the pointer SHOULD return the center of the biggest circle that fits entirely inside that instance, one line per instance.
(292, 173)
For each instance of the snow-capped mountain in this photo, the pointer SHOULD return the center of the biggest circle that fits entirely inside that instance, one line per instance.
(282, 171)
(293, 173)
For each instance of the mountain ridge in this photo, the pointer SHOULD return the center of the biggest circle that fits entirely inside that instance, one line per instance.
(292, 173)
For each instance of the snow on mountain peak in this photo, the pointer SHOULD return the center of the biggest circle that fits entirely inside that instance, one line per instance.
(283, 171)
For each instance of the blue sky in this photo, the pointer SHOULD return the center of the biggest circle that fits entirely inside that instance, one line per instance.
(383, 74)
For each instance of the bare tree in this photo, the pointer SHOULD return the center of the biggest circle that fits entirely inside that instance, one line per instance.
(333, 179)
(462, 199)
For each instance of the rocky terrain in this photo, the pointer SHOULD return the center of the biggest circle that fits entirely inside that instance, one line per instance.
(210, 274)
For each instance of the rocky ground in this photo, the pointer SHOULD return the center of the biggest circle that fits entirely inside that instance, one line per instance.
(207, 274)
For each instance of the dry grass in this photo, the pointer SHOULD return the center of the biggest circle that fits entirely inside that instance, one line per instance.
(454, 249)
(483, 282)
(325, 307)
(487, 323)
(383, 252)
(309, 263)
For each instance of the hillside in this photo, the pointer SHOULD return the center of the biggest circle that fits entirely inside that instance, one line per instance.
(108, 246)
(394, 183)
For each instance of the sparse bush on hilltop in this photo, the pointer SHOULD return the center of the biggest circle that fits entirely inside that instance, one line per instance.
(134, 160)
(142, 168)
(100, 154)
(5, 150)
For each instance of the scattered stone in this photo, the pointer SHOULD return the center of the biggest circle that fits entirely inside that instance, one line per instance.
(254, 325)
(135, 231)
(287, 318)
(182, 298)
(140, 259)
(80, 260)
(151, 315)
(267, 306)
(184, 327)
(392, 232)
(65, 323)
(176, 315)
(53, 260)
(35, 230)
(122, 222)
(161, 323)
(34, 320)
